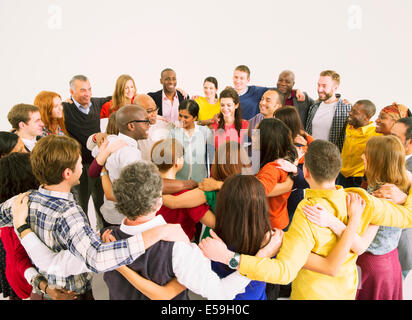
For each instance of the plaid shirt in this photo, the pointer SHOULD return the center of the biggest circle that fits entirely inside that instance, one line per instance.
(338, 128)
(62, 225)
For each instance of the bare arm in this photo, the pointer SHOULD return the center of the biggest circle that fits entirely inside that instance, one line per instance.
(171, 186)
(209, 219)
(107, 186)
(189, 199)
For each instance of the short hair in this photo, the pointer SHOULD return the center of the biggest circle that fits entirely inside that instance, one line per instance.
(165, 70)
(191, 106)
(8, 141)
(280, 95)
(368, 107)
(407, 121)
(330, 73)
(137, 189)
(16, 175)
(21, 113)
(165, 153)
(79, 77)
(52, 155)
(243, 68)
(323, 160)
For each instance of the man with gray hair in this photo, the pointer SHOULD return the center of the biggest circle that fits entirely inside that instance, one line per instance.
(133, 123)
(138, 191)
(82, 119)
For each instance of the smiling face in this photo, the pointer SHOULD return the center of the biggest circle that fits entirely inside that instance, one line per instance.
(269, 103)
(384, 123)
(81, 92)
(57, 111)
(209, 89)
(129, 90)
(240, 80)
(327, 88)
(228, 107)
(168, 80)
(357, 117)
(186, 119)
(286, 82)
(34, 126)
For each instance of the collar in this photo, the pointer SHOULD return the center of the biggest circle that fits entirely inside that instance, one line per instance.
(164, 95)
(292, 94)
(56, 194)
(82, 108)
(364, 129)
(130, 141)
(408, 156)
(133, 230)
(339, 192)
(246, 90)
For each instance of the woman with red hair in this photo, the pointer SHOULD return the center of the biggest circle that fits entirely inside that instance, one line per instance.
(51, 111)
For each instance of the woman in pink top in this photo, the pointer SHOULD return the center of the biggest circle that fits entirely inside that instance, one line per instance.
(230, 126)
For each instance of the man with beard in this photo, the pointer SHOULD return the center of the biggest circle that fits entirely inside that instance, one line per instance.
(327, 118)
(359, 130)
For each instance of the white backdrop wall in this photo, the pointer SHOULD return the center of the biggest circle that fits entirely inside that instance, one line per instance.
(43, 43)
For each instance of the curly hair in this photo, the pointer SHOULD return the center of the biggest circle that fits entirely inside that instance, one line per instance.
(16, 175)
(137, 189)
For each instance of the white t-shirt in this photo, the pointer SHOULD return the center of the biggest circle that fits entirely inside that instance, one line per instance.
(322, 121)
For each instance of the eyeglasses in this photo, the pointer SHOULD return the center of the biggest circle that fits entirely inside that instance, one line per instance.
(147, 121)
(152, 110)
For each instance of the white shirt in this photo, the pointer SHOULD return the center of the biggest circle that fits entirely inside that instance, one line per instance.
(158, 131)
(29, 144)
(114, 164)
(170, 109)
(192, 269)
(322, 121)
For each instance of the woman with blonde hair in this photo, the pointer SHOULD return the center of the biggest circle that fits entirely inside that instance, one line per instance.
(124, 93)
(51, 112)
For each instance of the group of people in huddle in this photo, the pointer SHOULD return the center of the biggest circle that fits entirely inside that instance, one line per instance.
(250, 193)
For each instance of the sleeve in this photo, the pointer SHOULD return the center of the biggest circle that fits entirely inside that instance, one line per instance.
(22, 259)
(269, 176)
(297, 244)
(90, 144)
(6, 219)
(104, 112)
(94, 169)
(197, 213)
(86, 244)
(193, 270)
(62, 264)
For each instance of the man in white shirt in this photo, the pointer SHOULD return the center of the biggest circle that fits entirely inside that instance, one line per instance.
(133, 123)
(26, 123)
(327, 118)
(159, 129)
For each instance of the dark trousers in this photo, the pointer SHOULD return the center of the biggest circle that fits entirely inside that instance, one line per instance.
(349, 182)
(90, 187)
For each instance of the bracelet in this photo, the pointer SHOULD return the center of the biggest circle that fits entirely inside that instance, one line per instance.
(103, 173)
(94, 138)
(22, 228)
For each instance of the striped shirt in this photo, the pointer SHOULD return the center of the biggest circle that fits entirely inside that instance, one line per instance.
(61, 224)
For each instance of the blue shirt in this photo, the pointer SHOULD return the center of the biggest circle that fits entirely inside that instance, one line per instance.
(249, 101)
(82, 108)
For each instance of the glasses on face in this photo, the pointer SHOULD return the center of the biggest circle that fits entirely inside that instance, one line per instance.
(146, 121)
(152, 110)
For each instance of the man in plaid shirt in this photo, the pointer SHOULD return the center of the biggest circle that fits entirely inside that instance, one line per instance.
(327, 118)
(61, 224)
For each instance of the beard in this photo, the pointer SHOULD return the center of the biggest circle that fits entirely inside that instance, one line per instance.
(326, 97)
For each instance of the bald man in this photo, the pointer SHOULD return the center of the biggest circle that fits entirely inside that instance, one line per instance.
(133, 123)
(269, 103)
(285, 84)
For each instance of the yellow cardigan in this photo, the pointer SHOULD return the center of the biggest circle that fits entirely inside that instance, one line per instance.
(304, 237)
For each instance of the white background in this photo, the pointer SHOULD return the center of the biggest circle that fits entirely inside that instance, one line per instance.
(44, 43)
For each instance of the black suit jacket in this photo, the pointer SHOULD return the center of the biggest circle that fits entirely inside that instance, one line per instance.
(157, 97)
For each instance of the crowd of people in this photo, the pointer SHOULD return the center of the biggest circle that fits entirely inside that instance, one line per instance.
(250, 193)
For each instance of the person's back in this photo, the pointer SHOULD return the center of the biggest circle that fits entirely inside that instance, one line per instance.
(155, 264)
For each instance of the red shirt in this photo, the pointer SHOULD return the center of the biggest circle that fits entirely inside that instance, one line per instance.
(187, 218)
(105, 112)
(230, 133)
(289, 100)
(17, 261)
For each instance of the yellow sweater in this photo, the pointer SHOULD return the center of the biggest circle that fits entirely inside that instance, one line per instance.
(304, 237)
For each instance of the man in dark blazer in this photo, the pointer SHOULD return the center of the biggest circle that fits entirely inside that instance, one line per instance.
(168, 99)
(82, 119)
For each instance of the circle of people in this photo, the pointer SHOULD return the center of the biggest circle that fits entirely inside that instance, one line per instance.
(254, 193)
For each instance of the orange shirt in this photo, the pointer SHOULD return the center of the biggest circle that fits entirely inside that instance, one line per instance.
(270, 175)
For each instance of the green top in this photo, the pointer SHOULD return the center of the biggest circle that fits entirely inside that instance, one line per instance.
(211, 201)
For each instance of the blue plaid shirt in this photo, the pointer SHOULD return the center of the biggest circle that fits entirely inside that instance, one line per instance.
(340, 118)
(61, 224)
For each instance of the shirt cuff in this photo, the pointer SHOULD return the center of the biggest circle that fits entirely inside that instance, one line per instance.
(29, 274)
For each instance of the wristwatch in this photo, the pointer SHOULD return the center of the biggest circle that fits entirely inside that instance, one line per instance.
(22, 228)
(35, 282)
(234, 262)
(103, 173)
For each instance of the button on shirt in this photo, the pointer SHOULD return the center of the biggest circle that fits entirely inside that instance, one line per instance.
(170, 109)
